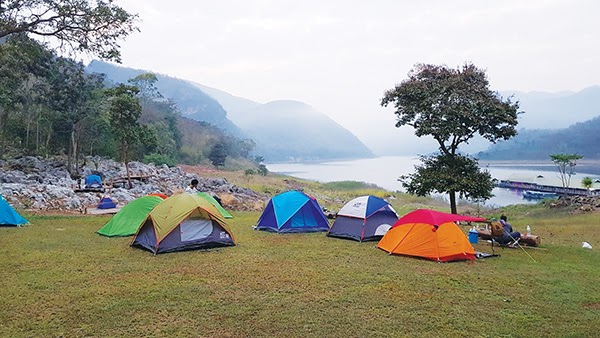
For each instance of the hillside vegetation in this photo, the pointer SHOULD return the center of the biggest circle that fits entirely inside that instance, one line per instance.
(282, 130)
(581, 138)
(50, 105)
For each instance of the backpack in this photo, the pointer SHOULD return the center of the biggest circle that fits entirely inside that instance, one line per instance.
(496, 229)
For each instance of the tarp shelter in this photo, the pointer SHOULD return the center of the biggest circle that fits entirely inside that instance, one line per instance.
(430, 234)
(9, 216)
(93, 181)
(365, 218)
(293, 211)
(106, 203)
(128, 220)
(215, 203)
(183, 222)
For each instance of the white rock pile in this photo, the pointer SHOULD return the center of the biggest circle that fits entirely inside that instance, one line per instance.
(45, 184)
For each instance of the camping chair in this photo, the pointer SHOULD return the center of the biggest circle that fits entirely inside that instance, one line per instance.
(497, 231)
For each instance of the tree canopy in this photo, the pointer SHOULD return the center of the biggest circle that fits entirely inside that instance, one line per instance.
(452, 106)
(78, 25)
(566, 164)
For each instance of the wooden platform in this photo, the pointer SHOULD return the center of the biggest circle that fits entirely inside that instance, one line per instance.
(96, 211)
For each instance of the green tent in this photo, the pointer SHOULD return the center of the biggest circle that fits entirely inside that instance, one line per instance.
(128, 220)
(183, 222)
(214, 202)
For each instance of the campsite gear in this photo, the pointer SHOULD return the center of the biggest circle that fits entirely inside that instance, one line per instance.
(429, 234)
(9, 216)
(364, 218)
(106, 203)
(528, 230)
(215, 203)
(532, 240)
(129, 219)
(496, 229)
(586, 245)
(292, 211)
(473, 236)
(183, 222)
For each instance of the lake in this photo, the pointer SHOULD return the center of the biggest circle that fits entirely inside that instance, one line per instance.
(384, 172)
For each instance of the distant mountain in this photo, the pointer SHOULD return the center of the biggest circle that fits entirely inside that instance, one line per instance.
(581, 138)
(556, 110)
(282, 130)
(290, 130)
(192, 103)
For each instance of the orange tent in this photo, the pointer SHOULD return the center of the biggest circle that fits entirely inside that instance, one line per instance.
(429, 234)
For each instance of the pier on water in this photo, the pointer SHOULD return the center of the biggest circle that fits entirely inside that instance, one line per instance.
(546, 188)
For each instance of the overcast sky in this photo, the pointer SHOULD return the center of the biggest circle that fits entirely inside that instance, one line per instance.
(340, 56)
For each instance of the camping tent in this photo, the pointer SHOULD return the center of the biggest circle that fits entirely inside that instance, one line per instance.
(183, 222)
(129, 219)
(8, 215)
(216, 204)
(364, 218)
(93, 181)
(106, 203)
(429, 234)
(293, 211)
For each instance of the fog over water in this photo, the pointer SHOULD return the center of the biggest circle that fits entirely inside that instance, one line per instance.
(384, 172)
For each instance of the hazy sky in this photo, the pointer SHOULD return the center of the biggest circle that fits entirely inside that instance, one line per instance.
(340, 56)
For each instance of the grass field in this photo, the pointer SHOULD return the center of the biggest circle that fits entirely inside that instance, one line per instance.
(60, 279)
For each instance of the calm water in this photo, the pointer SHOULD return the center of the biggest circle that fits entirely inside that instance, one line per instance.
(384, 172)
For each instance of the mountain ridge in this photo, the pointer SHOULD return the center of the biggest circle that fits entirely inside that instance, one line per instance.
(279, 128)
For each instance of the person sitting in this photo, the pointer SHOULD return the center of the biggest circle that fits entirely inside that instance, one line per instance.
(193, 187)
(509, 235)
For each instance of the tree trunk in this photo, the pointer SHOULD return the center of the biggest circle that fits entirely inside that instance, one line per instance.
(124, 147)
(452, 195)
(48, 137)
(3, 123)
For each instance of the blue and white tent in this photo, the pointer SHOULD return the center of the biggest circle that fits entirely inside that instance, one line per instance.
(364, 218)
(293, 211)
(8, 215)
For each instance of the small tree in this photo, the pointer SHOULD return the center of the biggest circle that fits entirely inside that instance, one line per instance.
(124, 113)
(566, 164)
(587, 182)
(452, 106)
(218, 155)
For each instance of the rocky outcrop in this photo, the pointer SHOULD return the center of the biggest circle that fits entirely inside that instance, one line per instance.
(577, 203)
(34, 183)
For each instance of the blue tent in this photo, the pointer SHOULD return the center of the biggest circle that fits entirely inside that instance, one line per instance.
(93, 181)
(8, 215)
(293, 211)
(106, 203)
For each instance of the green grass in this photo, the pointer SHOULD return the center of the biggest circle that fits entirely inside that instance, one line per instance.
(61, 279)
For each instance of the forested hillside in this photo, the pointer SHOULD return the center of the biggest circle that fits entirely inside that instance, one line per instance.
(581, 138)
(50, 105)
(281, 130)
